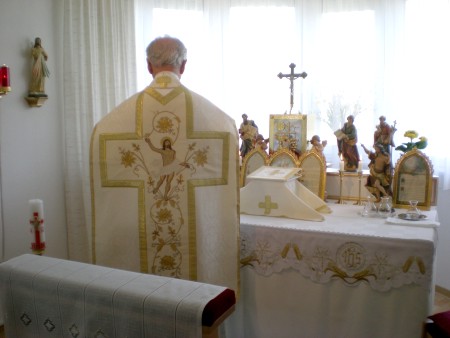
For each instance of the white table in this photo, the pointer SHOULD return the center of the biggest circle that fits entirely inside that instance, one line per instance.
(346, 277)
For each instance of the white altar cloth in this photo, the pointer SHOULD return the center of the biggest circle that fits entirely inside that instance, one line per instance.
(346, 277)
(48, 297)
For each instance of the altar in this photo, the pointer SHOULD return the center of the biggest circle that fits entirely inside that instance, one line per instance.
(348, 276)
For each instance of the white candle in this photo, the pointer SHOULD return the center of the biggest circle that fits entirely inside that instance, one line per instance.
(36, 205)
(37, 225)
(341, 166)
(360, 166)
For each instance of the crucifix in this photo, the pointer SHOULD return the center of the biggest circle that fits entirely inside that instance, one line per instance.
(292, 76)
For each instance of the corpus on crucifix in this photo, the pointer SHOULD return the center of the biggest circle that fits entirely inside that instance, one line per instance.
(292, 76)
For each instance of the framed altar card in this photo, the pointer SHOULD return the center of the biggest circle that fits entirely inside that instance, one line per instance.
(413, 180)
(274, 173)
(284, 158)
(288, 132)
(255, 159)
(314, 172)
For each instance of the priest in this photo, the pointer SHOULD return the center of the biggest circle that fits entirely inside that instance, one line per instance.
(164, 180)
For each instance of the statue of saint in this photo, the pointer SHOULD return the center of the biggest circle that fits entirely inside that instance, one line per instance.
(347, 139)
(39, 70)
(248, 131)
(384, 134)
(379, 180)
(318, 146)
(261, 142)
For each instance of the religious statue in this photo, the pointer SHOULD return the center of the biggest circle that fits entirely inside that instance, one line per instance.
(384, 134)
(248, 131)
(317, 145)
(39, 70)
(379, 179)
(261, 142)
(347, 139)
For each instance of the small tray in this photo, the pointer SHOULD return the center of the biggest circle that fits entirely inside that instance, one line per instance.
(412, 217)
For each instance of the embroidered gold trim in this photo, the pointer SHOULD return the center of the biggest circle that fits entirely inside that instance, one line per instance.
(163, 80)
(164, 99)
(140, 184)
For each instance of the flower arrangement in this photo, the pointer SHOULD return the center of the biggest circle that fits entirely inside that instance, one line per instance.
(412, 134)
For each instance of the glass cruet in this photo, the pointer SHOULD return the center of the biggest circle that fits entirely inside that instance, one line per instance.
(370, 209)
(413, 209)
(385, 207)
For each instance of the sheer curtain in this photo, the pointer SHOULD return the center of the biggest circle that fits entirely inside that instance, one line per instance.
(99, 72)
(366, 58)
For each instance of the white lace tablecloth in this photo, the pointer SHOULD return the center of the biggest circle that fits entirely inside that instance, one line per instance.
(346, 246)
(345, 277)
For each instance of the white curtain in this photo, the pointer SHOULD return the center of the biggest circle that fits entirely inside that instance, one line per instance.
(99, 72)
(367, 58)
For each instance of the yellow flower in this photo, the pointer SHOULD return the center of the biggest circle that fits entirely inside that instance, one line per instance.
(408, 146)
(411, 134)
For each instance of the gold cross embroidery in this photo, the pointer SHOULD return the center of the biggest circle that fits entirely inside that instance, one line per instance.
(267, 205)
(192, 184)
(163, 81)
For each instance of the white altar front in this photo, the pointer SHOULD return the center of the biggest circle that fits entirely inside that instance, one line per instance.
(346, 277)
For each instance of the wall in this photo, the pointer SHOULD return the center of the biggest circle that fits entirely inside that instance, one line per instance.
(31, 139)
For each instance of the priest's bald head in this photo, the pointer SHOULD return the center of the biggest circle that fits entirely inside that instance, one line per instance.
(166, 54)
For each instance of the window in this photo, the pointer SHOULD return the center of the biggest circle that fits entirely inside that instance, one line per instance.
(362, 58)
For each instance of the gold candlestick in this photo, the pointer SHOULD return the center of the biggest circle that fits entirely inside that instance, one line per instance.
(341, 178)
(359, 202)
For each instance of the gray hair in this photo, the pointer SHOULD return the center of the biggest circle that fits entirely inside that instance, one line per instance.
(165, 51)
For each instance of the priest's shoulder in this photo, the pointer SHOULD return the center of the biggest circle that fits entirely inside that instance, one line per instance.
(208, 112)
(123, 110)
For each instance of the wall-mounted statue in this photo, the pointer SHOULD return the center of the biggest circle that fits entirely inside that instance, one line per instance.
(39, 70)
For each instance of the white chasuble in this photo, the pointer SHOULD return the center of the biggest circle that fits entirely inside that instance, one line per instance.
(164, 169)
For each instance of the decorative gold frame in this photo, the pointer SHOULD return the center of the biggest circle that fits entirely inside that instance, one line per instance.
(407, 173)
(292, 129)
(248, 163)
(283, 158)
(315, 173)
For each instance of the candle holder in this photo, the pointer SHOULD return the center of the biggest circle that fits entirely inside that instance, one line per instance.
(5, 86)
(341, 178)
(359, 202)
(37, 229)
